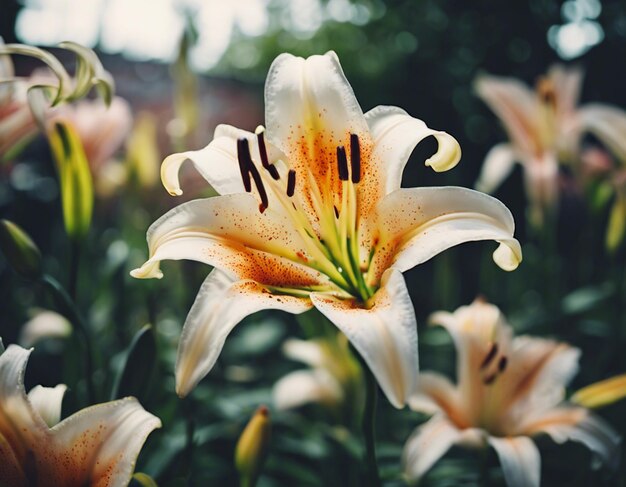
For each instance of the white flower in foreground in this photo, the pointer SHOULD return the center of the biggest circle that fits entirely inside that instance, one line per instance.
(508, 390)
(312, 214)
(95, 447)
(544, 128)
(333, 377)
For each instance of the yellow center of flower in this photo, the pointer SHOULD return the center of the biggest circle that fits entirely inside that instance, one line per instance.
(333, 249)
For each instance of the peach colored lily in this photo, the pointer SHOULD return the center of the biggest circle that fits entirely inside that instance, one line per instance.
(544, 128)
(508, 390)
(95, 447)
(17, 125)
(311, 213)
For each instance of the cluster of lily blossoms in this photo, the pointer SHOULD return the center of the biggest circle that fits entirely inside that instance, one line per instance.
(97, 446)
(311, 214)
(509, 389)
(545, 129)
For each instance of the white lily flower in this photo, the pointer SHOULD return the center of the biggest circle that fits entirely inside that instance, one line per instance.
(44, 324)
(97, 446)
(544, 128)
(312, 214)
(333, 374)
(508, 390)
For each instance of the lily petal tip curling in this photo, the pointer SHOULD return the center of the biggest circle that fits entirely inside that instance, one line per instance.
(150, 270)
(448, 155)
(169, 173)
(508, 255)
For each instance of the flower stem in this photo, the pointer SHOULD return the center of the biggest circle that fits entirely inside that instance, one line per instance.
(74, 265)
(68, 309)
(368, 424)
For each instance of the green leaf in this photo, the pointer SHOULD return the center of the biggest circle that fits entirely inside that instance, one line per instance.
(136, 375)
(74, 177)
(144, 480)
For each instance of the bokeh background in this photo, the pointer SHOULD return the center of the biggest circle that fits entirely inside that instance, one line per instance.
(192, 64)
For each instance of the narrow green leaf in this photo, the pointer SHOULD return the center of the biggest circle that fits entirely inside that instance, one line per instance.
(75, 179)
(136, 375)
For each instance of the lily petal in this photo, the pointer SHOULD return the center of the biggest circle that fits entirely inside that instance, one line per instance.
(303, 94)
(20, 424)
(306, 351)
(221, 304)
(577, 424)
(310, 110)
(217, 162)
(304, 387)
(436, 394)
(517, 107)
(499, 163)
(384, 334)
(395, 134)
(229, 232)
(427, 444)
(47, 401)
(103, 442)
(608, 124)
(520, 460)
(419, 223)
(538, 372)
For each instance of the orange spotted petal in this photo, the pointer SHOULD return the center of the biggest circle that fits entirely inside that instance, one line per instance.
(220, 305)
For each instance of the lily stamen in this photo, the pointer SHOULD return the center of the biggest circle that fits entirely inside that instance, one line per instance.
(242, 147)
(260, 135)
(491, 354)
(291, 182)
(342, 163)
(355, 158)
(246, 164)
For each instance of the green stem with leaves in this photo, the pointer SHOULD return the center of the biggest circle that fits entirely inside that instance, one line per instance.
(67, 308)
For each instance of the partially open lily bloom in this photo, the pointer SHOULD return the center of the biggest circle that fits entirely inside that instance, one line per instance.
(96, 447)
(333, 375)
(508, 390)
(17, 124)
(544, 126)
(311, 213)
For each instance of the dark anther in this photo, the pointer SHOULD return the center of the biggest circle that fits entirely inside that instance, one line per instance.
(264, 159)
(355, 158)
(342, 163)
(502, 364)
(336, 211)
(291, 182)
(248, 169)
(243, 156)
(489, 379)
(490, 356)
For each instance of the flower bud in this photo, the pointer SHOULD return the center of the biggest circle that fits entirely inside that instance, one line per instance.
(20, 251)
(601, 393)
(252, 447)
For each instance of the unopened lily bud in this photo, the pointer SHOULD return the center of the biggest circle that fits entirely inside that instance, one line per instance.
(601, 393)
(20, 251)
(74, 177)
(252, 447)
